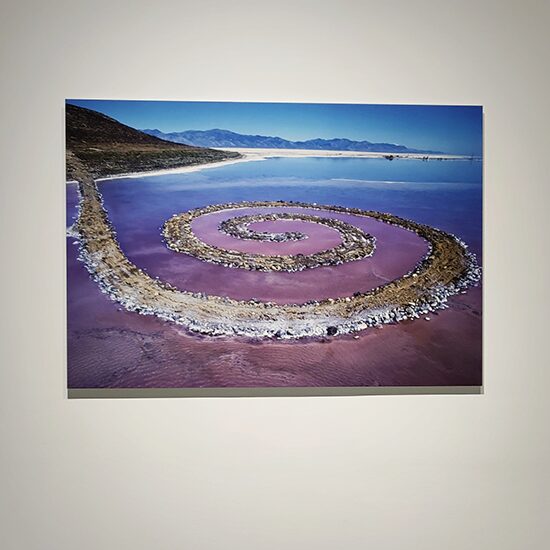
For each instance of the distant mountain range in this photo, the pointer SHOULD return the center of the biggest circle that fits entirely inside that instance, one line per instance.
(225, 138)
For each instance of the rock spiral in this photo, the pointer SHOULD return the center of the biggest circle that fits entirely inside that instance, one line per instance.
(447, 268)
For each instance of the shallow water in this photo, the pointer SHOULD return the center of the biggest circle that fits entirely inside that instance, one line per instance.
(113, 348)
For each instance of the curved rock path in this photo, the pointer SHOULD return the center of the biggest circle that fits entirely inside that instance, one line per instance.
(447, 269)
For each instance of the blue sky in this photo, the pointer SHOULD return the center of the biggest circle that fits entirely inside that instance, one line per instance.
(451, 129)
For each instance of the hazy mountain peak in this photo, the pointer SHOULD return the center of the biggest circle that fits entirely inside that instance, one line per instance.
(219, 137)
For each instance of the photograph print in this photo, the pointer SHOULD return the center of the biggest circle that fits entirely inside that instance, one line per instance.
(229, 245)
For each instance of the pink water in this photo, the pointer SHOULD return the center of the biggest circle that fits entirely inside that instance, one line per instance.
(111, 347)
(128, 350)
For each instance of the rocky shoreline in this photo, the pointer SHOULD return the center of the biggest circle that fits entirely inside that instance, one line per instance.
(447, 269)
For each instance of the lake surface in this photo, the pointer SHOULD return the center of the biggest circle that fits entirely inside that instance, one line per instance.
(110, 347)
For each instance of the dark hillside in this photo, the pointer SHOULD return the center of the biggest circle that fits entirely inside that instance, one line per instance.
(108, 147)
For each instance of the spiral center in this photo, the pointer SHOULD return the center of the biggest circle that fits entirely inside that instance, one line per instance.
(179, 236)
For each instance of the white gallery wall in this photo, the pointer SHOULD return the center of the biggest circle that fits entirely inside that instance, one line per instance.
(425, 472)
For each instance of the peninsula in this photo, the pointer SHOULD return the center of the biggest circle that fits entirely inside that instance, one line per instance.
(106, 147)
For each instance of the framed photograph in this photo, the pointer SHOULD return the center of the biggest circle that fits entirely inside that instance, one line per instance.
(226, 248)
